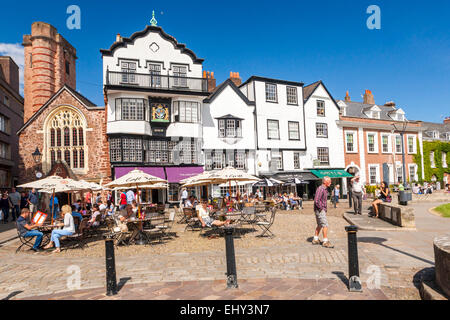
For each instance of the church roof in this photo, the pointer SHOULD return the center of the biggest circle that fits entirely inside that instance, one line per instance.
(82, 99)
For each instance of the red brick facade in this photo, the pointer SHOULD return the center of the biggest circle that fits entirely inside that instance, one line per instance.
(47, 54)
(32, 136)
(379, 157)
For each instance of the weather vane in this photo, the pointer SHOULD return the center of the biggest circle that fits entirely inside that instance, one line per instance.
(153, 22)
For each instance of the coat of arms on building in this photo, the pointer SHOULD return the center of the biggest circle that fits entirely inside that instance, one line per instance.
(160, 113)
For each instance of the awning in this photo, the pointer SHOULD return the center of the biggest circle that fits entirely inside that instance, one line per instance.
(331, 173)
(154, 171)
(176, 174)
(290, 176)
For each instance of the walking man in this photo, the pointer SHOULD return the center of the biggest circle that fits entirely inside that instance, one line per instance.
(33, 200)
(320, 210)
(357, 194)
(14, 196)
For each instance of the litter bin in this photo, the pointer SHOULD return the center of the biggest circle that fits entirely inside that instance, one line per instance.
(404, 197)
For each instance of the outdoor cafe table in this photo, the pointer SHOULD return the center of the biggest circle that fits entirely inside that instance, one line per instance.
(47, 229)
(138, 224)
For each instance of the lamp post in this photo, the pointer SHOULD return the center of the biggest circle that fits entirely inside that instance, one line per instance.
(401, 128)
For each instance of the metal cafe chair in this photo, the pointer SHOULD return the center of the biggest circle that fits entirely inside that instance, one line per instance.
(266, 225)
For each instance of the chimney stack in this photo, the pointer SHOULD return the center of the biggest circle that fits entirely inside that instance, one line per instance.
(211, 80)
(347, 97)
(368, 97)
(234, 76)
(447, 120)
(390, 104)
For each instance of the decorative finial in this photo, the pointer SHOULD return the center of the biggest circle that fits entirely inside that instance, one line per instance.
(153, 22)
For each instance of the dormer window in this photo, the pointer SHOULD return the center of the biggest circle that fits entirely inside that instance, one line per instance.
(376, 114)
(344, 111)
(230, 127)
(435, 134)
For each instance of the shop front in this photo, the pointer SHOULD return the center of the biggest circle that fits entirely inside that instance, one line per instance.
(172, 174)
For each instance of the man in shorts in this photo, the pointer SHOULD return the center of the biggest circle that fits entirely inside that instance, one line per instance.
(320, 210)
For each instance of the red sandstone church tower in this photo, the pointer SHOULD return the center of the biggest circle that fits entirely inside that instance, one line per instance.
(49, 65)
(63, 125)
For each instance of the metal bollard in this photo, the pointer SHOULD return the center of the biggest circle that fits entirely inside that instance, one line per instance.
(231, 259)
(354, 283)
(111, 283)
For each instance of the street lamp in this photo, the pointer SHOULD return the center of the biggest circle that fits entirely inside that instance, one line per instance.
(37, 156)
(401, 127)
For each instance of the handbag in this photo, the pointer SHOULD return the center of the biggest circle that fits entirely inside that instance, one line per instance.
(389, 199)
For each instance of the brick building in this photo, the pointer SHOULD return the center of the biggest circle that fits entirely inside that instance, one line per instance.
(372, 145)
(66, 127)
(11, 118)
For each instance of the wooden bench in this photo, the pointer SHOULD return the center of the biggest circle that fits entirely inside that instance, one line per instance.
(402, 216)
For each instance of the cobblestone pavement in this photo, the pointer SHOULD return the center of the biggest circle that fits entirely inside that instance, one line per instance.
(253, 289)
(391, 260)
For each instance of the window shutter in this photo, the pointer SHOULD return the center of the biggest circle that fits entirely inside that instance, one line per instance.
(118, 109)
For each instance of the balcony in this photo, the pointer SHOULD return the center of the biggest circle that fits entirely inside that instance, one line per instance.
(156, 82)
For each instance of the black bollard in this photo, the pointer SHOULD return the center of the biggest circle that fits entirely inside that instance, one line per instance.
(354, 283)
(231, 259)
(111, 283)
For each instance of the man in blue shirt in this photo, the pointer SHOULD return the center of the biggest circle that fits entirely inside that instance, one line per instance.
(33, 200)
(54, 206)
(26, 230)
(76, 214)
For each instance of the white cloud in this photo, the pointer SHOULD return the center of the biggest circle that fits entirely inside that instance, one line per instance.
(15, 51)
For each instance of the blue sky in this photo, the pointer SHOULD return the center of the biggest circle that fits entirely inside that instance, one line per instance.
(407, 61)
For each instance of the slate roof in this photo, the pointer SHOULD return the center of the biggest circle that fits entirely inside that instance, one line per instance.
(440, 127)
(357, 109)
(309, 90)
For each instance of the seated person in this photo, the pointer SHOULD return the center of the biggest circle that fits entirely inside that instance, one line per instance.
(124, 216)
(134, 207)
(109, 208)
(189, 202)
(206, 220)
(26, 230)
(293, 202)
(102, 206)
(69, 229)
(77, 205)
(92, 222)
(384, 197)
(75, 213)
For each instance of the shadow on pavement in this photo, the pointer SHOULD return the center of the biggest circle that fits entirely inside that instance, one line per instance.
(380, 241)
(341, 277)
(122, 282)
(12, 294)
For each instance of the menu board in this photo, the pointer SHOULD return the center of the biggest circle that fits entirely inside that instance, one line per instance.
(39, 218)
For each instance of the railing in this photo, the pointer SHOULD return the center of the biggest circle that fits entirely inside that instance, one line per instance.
(162, 82)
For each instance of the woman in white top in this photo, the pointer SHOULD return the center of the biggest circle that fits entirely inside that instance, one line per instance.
(206, 220)
(68, 230)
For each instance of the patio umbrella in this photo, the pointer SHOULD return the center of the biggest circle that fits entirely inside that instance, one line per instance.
(53, 183)
(230, 174)
(135, 179)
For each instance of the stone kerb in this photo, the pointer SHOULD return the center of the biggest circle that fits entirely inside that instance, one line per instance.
(402, 216)
(442, 262)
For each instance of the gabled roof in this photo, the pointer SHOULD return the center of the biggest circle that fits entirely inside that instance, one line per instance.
(309, 90)
(125, 41)
(82, 99)
(229, 116)
(216, 92)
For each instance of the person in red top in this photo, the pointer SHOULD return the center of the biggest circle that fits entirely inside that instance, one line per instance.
(87, 200)
(123, 201)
